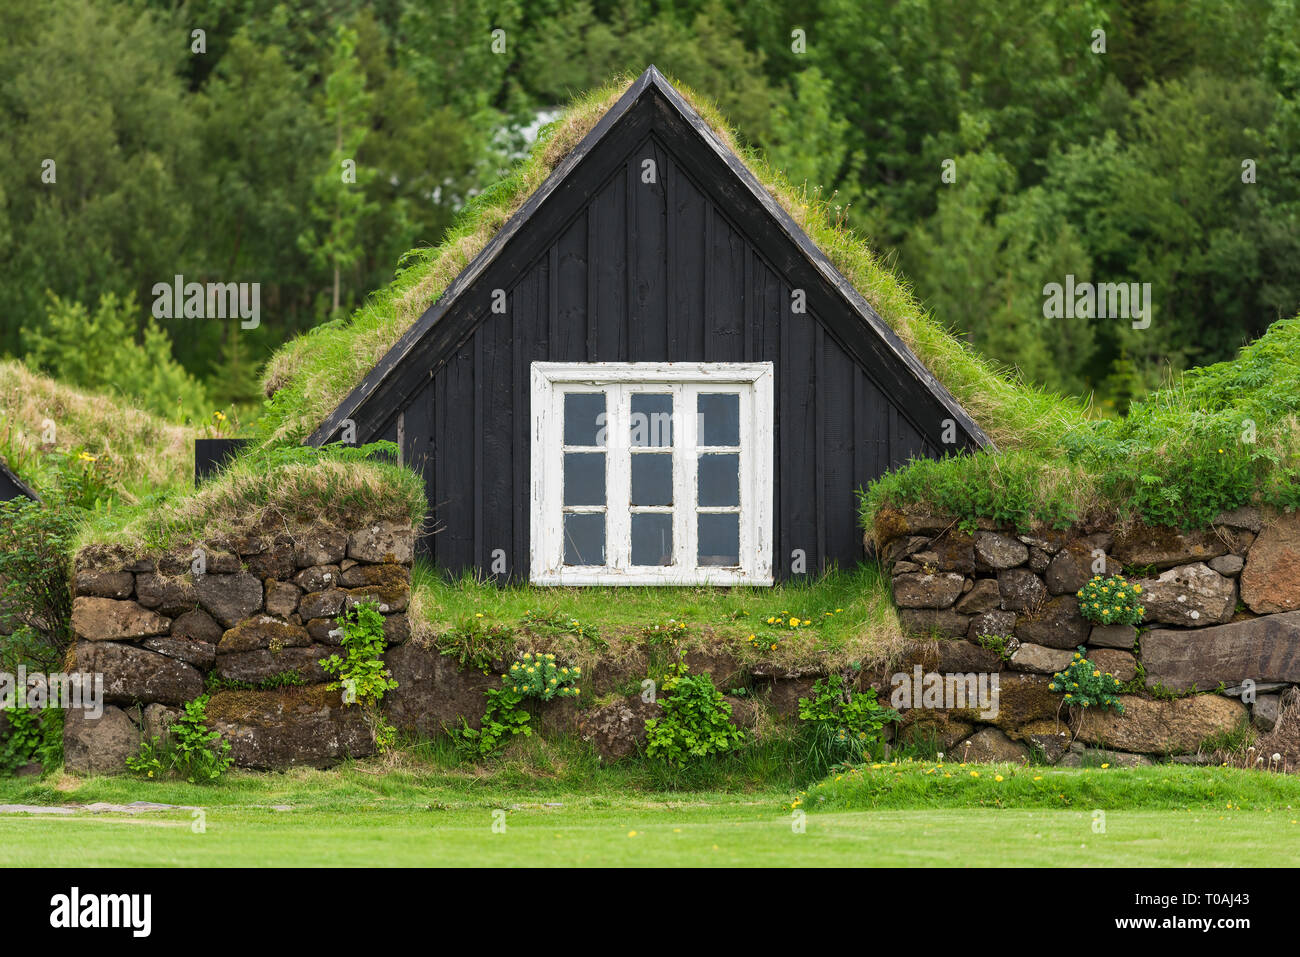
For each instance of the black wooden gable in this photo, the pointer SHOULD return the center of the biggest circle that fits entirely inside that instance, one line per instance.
(698, 264)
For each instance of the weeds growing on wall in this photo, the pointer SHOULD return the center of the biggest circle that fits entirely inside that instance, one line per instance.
(534, 677)
(360, 672)
(189, 748)
(839, 726)
(696, 721)
(35, 600)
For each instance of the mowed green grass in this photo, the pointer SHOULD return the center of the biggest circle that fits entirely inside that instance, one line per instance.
(365, 814)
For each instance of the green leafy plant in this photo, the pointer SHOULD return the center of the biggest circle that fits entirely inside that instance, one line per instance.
(534, 677)
(1084, 685)
(840, 725)
(1111, 600)
(35, 601)
(360, 672)
(995, 643)
(696, 721)
(189, 748)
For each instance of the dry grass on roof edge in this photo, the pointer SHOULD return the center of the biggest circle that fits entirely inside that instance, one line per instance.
(307, 378)
(142, 451)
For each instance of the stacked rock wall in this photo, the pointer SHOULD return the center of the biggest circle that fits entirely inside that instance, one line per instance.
(249, 617)
(1222, 614)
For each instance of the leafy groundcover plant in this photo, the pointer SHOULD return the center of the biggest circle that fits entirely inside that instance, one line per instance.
(696, 721)
(1111, 600)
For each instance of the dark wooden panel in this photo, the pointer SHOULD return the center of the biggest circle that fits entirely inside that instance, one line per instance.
(837, 415)
(797, 473)
(725, 312)
(532, 330)
(647, 257)
(688, 221)
(495, 472)
(607, 229)
(454, 413)
(568, 340)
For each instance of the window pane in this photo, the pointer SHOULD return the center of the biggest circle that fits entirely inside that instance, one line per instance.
(584, 478)
(652, 539)
(584, 418)
(652, 421)
(719, 539)
(719, 418)
(584, 538)
(652, 478)
(720, 479)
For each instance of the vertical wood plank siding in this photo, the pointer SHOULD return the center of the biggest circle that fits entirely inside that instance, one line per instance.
(646, 272)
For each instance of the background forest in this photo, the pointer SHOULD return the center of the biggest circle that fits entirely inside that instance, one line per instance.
(1128, 165)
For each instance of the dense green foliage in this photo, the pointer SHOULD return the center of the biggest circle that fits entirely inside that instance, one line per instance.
(696, 721)
(1083, 685)
(1219, 437)
(1111, 600)
(189, 748)
(1122, 164)
(360, 672)
(35, 598)
(840, 725)
(534, 677)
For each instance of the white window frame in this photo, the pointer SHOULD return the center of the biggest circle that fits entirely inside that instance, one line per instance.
(551, 380)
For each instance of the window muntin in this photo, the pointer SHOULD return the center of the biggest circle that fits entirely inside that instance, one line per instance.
(652, 473)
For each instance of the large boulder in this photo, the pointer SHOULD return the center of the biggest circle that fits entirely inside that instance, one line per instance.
(134, 675)
(200, 654)
(1020, 588)
(1190, 596)
(1121, 664)
(295, 726)
(170, 595)
(382, 542)
(1161, 726)
(1159, 547)
(98, 745)
(263, 631)
(983, 597)
(932, 728)
(1040, 660)
(1270, 582)
(1263, 649)
(108, 619)
(230, 598)
(103, 584)
(1075, 564)
(923, 590)
(1022, 699)
(990, 746)
(996, 551)
(617, 730)
(263, 664)
(927, 622)
(433, 693)
(1055, 624)
(320, 546)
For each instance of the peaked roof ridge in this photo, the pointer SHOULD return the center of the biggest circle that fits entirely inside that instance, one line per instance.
(651, 79)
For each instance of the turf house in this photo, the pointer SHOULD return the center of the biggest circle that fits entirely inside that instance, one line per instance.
(650, 374)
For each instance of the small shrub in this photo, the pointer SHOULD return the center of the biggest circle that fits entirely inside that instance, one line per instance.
(840, 725)
(1111, 600)
(31, 736)
(35, 601)
(360, 673)
(1085, 685)
(696, 721)
(190, 748)
(536, 677)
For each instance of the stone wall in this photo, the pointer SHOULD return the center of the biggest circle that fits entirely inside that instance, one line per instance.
(239, 615)
(1222, 611)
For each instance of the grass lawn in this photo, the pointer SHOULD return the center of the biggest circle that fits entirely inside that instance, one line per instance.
(841, 617)
(413, 812)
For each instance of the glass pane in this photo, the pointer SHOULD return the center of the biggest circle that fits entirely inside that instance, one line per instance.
(584, 478)
(652, 478)
(652, 539)
(584, 418)
(584, 538)
(719, 539)
(719, 418)
(652, 421)
(720, 479)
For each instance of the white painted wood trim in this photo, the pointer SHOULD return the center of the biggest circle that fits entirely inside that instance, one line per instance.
(682, 380)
